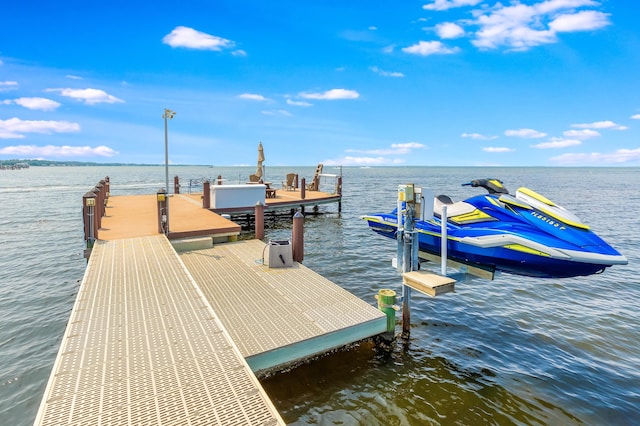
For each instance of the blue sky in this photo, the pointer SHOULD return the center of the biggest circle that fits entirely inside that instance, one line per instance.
(353, 83)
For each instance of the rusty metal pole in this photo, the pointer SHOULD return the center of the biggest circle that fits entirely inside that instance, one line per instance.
(259, 218)
(303, 188)
(297, 237)
(206, 194)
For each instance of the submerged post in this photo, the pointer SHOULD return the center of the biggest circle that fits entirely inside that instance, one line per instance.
(259, 218)
(297, 237)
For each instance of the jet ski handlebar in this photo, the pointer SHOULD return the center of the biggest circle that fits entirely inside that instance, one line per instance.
(494, 186)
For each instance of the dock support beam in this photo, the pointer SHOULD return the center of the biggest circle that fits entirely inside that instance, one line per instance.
(443, 242)
(303, 188)
(297, 237)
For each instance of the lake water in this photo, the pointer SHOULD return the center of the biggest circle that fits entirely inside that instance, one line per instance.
(515, 350)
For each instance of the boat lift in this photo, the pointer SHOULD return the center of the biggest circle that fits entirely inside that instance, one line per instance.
(417, 203)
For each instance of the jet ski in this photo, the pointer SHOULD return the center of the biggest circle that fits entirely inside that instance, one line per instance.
(523, 234)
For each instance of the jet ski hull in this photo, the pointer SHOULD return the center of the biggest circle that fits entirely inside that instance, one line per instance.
(518, 241)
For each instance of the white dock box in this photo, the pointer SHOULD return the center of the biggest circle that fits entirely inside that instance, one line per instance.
(231, 196)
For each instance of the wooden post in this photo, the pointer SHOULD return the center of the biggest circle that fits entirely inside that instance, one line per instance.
(339, 191)
(303, 188)
(206, 194)
(219, 179)
(297, 237)
(163, 212)
(259, 218)
(100, 203)
(88, 213)
(295, 185)
(96, 210)
(108, 191)
(176, 185)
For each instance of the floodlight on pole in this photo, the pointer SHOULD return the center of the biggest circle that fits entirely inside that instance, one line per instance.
(167, 115)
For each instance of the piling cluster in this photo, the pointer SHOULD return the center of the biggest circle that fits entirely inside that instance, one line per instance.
(94, 207)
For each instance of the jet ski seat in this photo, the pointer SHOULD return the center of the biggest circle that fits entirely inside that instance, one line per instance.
(453, 209)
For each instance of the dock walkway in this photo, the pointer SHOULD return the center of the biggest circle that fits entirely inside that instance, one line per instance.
(143, 346)
(282, 315)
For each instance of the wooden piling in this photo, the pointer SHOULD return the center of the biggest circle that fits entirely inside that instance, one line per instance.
(303, 188)
(206, 194)
(259, 221)
(163, 212)
(176, 185)
(297, 237)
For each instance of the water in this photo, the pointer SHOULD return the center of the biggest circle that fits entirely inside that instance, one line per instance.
(512, 351)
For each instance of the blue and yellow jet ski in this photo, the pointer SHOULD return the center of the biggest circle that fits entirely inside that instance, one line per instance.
(525, 234)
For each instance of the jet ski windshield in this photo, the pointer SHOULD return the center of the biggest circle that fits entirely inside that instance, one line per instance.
(494, 186)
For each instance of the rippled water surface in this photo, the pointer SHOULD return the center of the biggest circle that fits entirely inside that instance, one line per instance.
(510, 351)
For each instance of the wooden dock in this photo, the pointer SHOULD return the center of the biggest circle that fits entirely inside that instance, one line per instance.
(157, 337)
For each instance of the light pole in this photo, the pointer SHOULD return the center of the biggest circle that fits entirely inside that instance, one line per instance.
(168, 114)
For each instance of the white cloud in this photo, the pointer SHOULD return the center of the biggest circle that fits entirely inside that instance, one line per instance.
(33, 151)
(520, 26)
(449, 4)
(607, 124)
(618, 157)
(386, 73)
(525, 133)
(42, 104)
(15, 128)
(277, 112)
(332, 94)
(582, 21)
(449, 30)
(425, 48)
(299, 103)
(89, 96)
(555, 143)
(396, 149)
(478, 136)
(581, 134)
(239, 52)
(252, 97)
(635, 117)
(373, 28)
(8, 85)
(192, 39)
(497, 149)
(73, 77)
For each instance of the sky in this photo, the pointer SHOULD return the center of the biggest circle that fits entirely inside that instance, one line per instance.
(351, 83)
